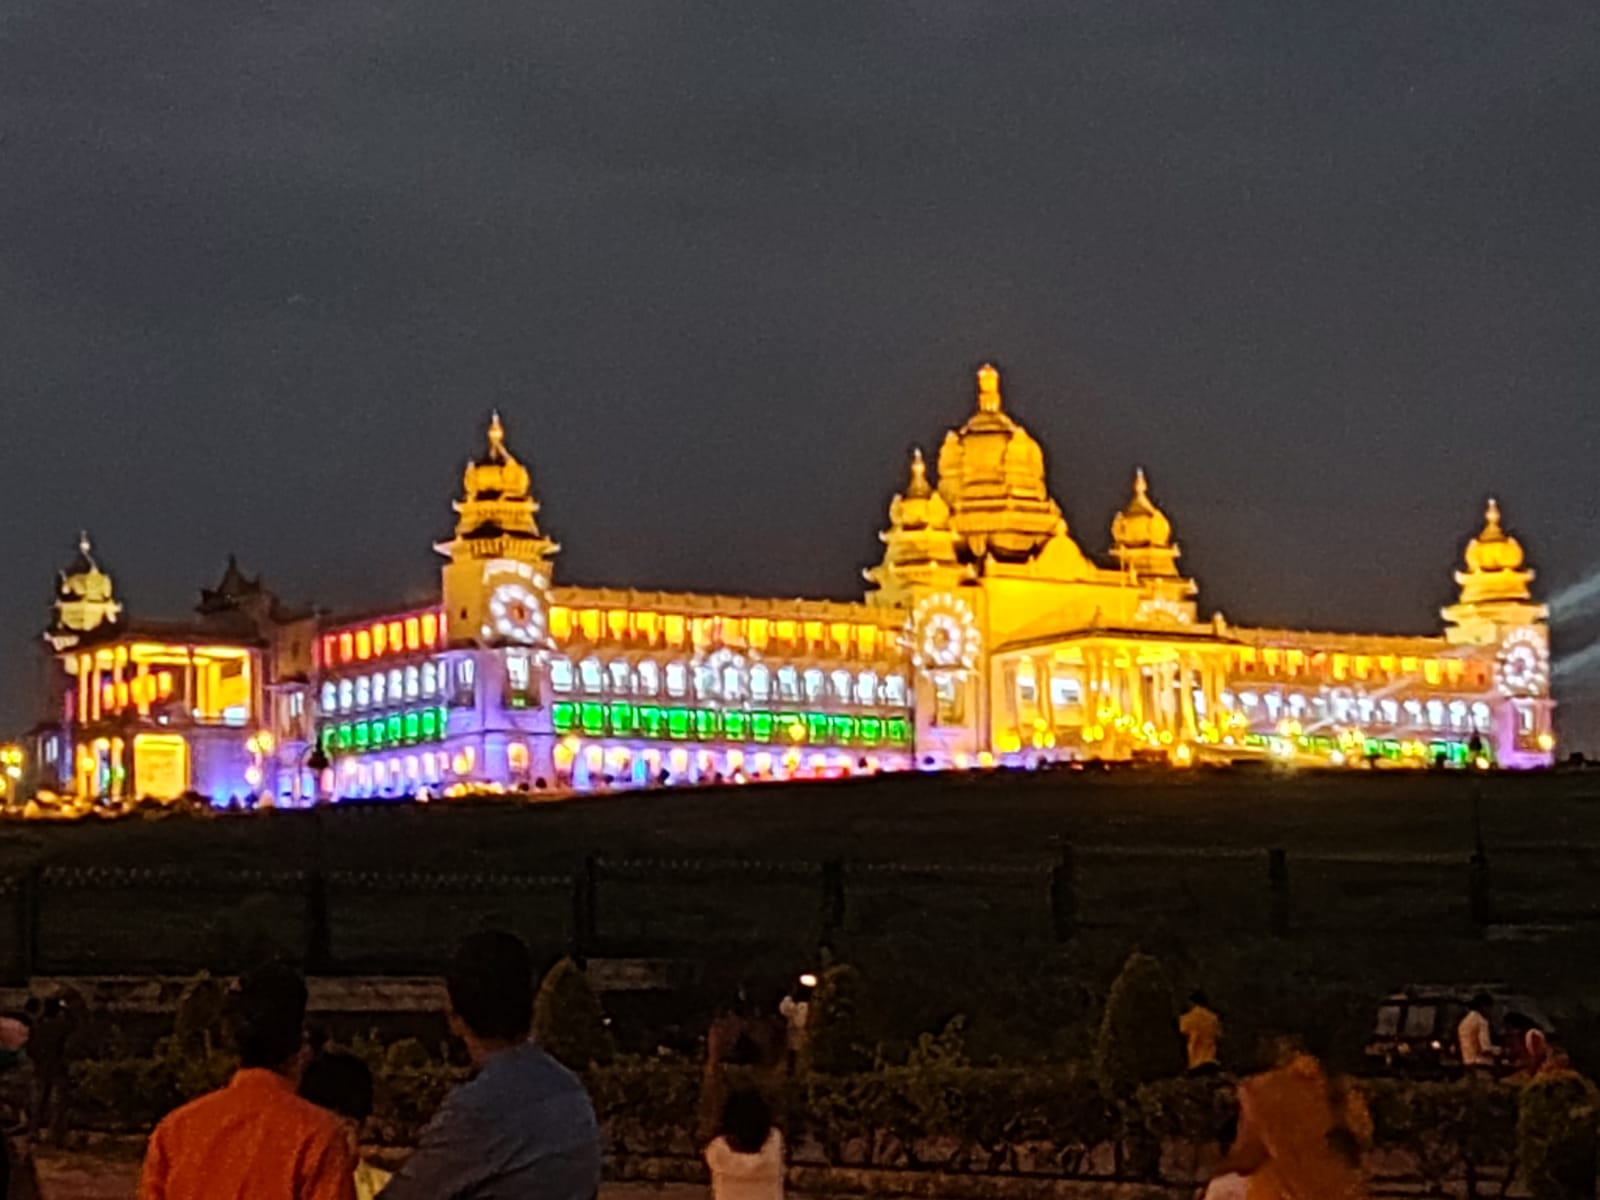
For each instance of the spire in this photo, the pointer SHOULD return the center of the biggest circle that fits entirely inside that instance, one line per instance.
(1491, 521)
(919, 488)
(1141, 487)
(83, 544)
(1141, 534)
(497, 436)
(988, 388)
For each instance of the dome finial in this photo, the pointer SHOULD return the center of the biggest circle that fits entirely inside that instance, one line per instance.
(1141, 486)
(1491, 516)
(83, 542)
(988, 388)
(919, 488)
(497, 432)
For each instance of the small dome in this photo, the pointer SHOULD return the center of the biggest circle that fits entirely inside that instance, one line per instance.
(919, 506)
(1494, 549)
(1495, 565)
(1141, 524)
(84, 580)
(497, 474)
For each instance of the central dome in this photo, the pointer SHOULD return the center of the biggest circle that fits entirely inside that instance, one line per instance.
(991, 474)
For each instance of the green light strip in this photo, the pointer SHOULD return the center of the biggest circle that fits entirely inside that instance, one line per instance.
(658, 723)
(412, 727)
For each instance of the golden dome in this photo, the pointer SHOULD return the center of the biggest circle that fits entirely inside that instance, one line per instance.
(919, 506)
(1494, 561)
(497, 475)
(991, 474)
(1141, 524)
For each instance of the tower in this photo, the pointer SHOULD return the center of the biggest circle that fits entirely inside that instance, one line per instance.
(1141, 536)
(496, 585)
(85, 600)
(919, 545)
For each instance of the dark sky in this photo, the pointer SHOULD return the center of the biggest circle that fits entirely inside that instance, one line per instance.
(1328, 271)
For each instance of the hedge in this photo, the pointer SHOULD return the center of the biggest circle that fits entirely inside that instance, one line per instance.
(930, 1115)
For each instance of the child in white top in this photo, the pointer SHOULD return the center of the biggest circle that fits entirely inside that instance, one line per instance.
(746, 1156)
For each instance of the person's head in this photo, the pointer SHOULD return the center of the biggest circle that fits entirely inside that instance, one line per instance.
(746, 1121)
(1482, 1003)
(340, 1083)
(1198, 999)
(267, 1017)
(1516, 1022)
(490, 984)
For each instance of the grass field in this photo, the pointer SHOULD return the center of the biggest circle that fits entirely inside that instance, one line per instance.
(1172, 863)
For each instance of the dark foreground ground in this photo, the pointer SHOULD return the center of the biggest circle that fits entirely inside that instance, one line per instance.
(942, 899)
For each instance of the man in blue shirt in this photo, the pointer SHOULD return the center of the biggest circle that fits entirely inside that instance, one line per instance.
(523, 1125)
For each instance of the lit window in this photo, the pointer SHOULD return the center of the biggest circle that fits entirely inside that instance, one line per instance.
(346, 695)
(1480, 717)
(363, 692)
(430, 629)
(705, 682)
(297, 704)
(517, 672)
(1458, 714)
(788, 683)
(363, 644)
(648, 678)
(1228, 701)
(1430, 670)
(814, 683)
(733, 683)
(1414, 711)
(378, 688)
(1274, 704)
(841, 685)
(760, 677)
(1524, 718)
(1065, 691)
(1200, 703)
(464, 673)
(561, 674)
(1249, 699)
(1436, 710)
(397, 685)
(430, 681)
(894, 689)
(380, 638)
(517, 757)
(413, 683)
(621, 675)
(1297, 704)
(592, 677)
(1027, 684)
(677, 676)
(1391, 711)
(867, 687)
(330, 697)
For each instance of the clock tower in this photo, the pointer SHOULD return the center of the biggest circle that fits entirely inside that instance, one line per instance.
(496, 586)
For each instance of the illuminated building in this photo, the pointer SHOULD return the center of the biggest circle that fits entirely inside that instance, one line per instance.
(987, 635)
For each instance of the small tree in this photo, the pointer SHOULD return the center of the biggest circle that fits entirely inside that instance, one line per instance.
(568, 1020)
(1138, 1042)
(835, 1043)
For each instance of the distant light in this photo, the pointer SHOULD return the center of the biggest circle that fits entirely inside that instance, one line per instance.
(808, 980)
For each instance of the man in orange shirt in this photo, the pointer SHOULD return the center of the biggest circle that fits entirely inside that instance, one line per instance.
(255, 1139)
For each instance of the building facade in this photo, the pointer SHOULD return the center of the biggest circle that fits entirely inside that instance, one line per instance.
(986, 635)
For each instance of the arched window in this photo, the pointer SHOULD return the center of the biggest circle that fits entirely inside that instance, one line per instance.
(397, 685)
(346, 695)
(867, 687)
(648, 678)
(363, 691)
(379, 689)
(590, 675)
(894, 689)
(788, 683)
(760, 683)
(841, 686)
(677, 679)
(814, 684)
(705, 682)
(413, 683)
(330, 697)
(621, 677)
(733, 682)
(430, 679)
(1436, 713)
(1480, 717)
(561, 673)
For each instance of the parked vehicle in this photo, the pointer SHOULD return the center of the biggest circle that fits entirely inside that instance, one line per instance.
(1414, 1029)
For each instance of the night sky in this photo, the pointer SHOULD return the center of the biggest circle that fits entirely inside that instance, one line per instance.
(1329, 272)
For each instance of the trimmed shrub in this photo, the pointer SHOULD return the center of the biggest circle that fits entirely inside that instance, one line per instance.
(1556, 1138)
(1138, 1042)
(568, 1020)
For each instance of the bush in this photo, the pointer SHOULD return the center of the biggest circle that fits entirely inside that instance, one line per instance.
(1139, 1040)
(1450, 1130)
(836, 1043)
(568, 1020)
(1556, 1138)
